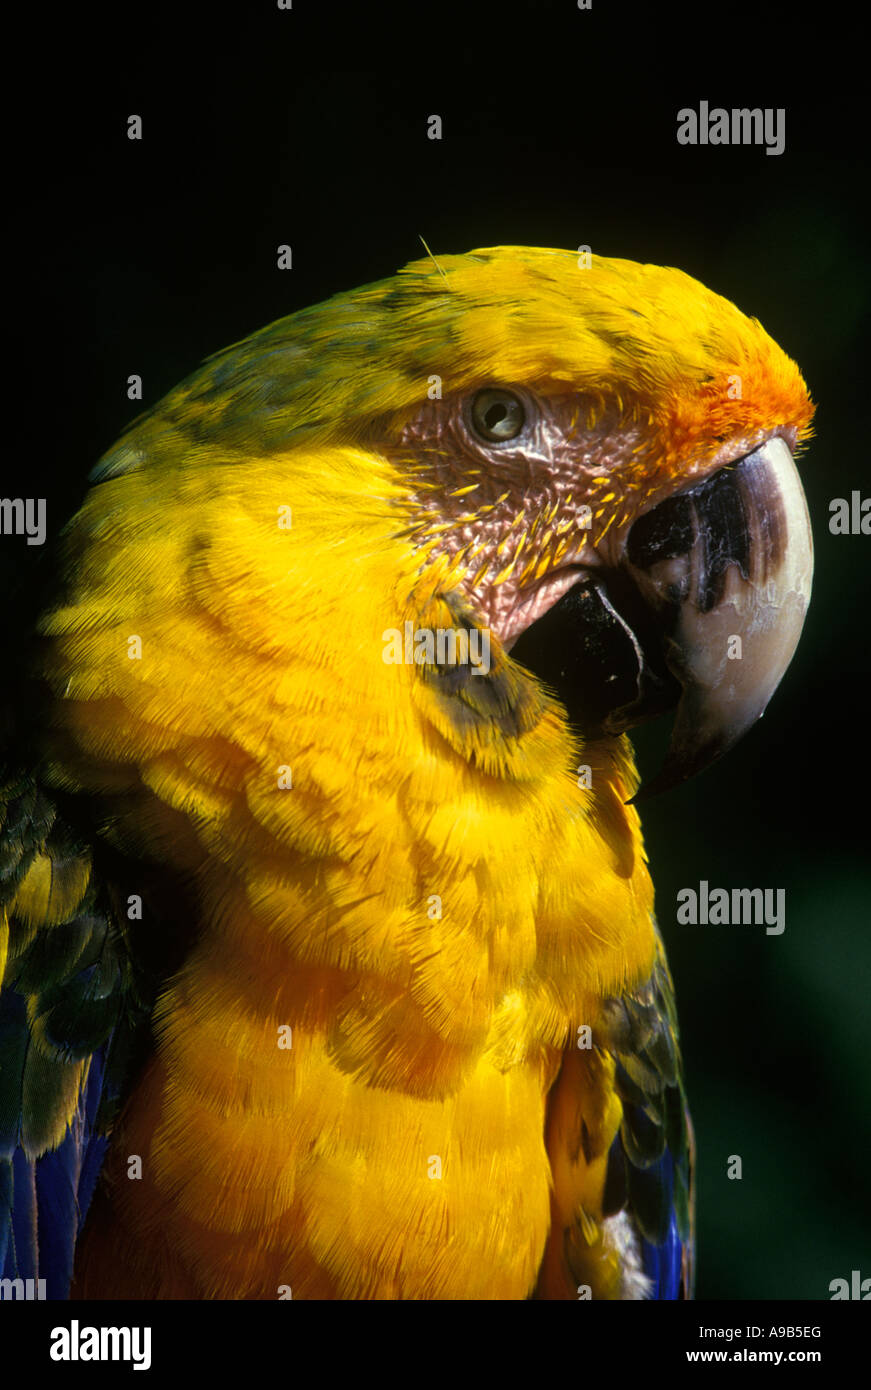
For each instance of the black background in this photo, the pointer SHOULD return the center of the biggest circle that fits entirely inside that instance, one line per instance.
(309, 127)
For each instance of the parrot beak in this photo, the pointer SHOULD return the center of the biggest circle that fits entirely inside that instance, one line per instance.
(703, 611)
(728, 567)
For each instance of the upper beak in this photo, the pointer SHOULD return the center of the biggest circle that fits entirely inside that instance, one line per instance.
(704, 611)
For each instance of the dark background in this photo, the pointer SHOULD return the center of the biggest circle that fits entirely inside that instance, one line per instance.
(309, 127)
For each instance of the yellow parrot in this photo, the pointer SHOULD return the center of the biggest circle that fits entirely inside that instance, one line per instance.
(331, 967)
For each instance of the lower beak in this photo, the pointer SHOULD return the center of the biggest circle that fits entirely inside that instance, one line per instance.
(703, 612)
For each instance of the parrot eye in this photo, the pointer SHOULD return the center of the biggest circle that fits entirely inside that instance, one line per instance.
(497, 415)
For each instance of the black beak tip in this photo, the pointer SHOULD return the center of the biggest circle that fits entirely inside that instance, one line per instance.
(664, 781)
(681, 767)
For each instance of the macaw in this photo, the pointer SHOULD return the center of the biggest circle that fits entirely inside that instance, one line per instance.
(329, 960)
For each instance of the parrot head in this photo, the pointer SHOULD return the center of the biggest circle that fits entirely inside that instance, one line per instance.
(594, 456)
(608, 463)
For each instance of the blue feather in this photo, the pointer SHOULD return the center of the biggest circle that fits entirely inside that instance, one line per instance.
(49, 1197)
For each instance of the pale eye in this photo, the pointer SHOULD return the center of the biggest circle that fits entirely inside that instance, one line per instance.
(497, 415)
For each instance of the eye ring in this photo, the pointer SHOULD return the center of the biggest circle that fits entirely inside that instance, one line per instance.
(497, 415)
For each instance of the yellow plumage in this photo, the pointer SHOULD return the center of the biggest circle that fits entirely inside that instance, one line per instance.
(433, 910)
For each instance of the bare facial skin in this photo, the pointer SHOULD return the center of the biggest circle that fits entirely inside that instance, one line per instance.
(532, 514)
